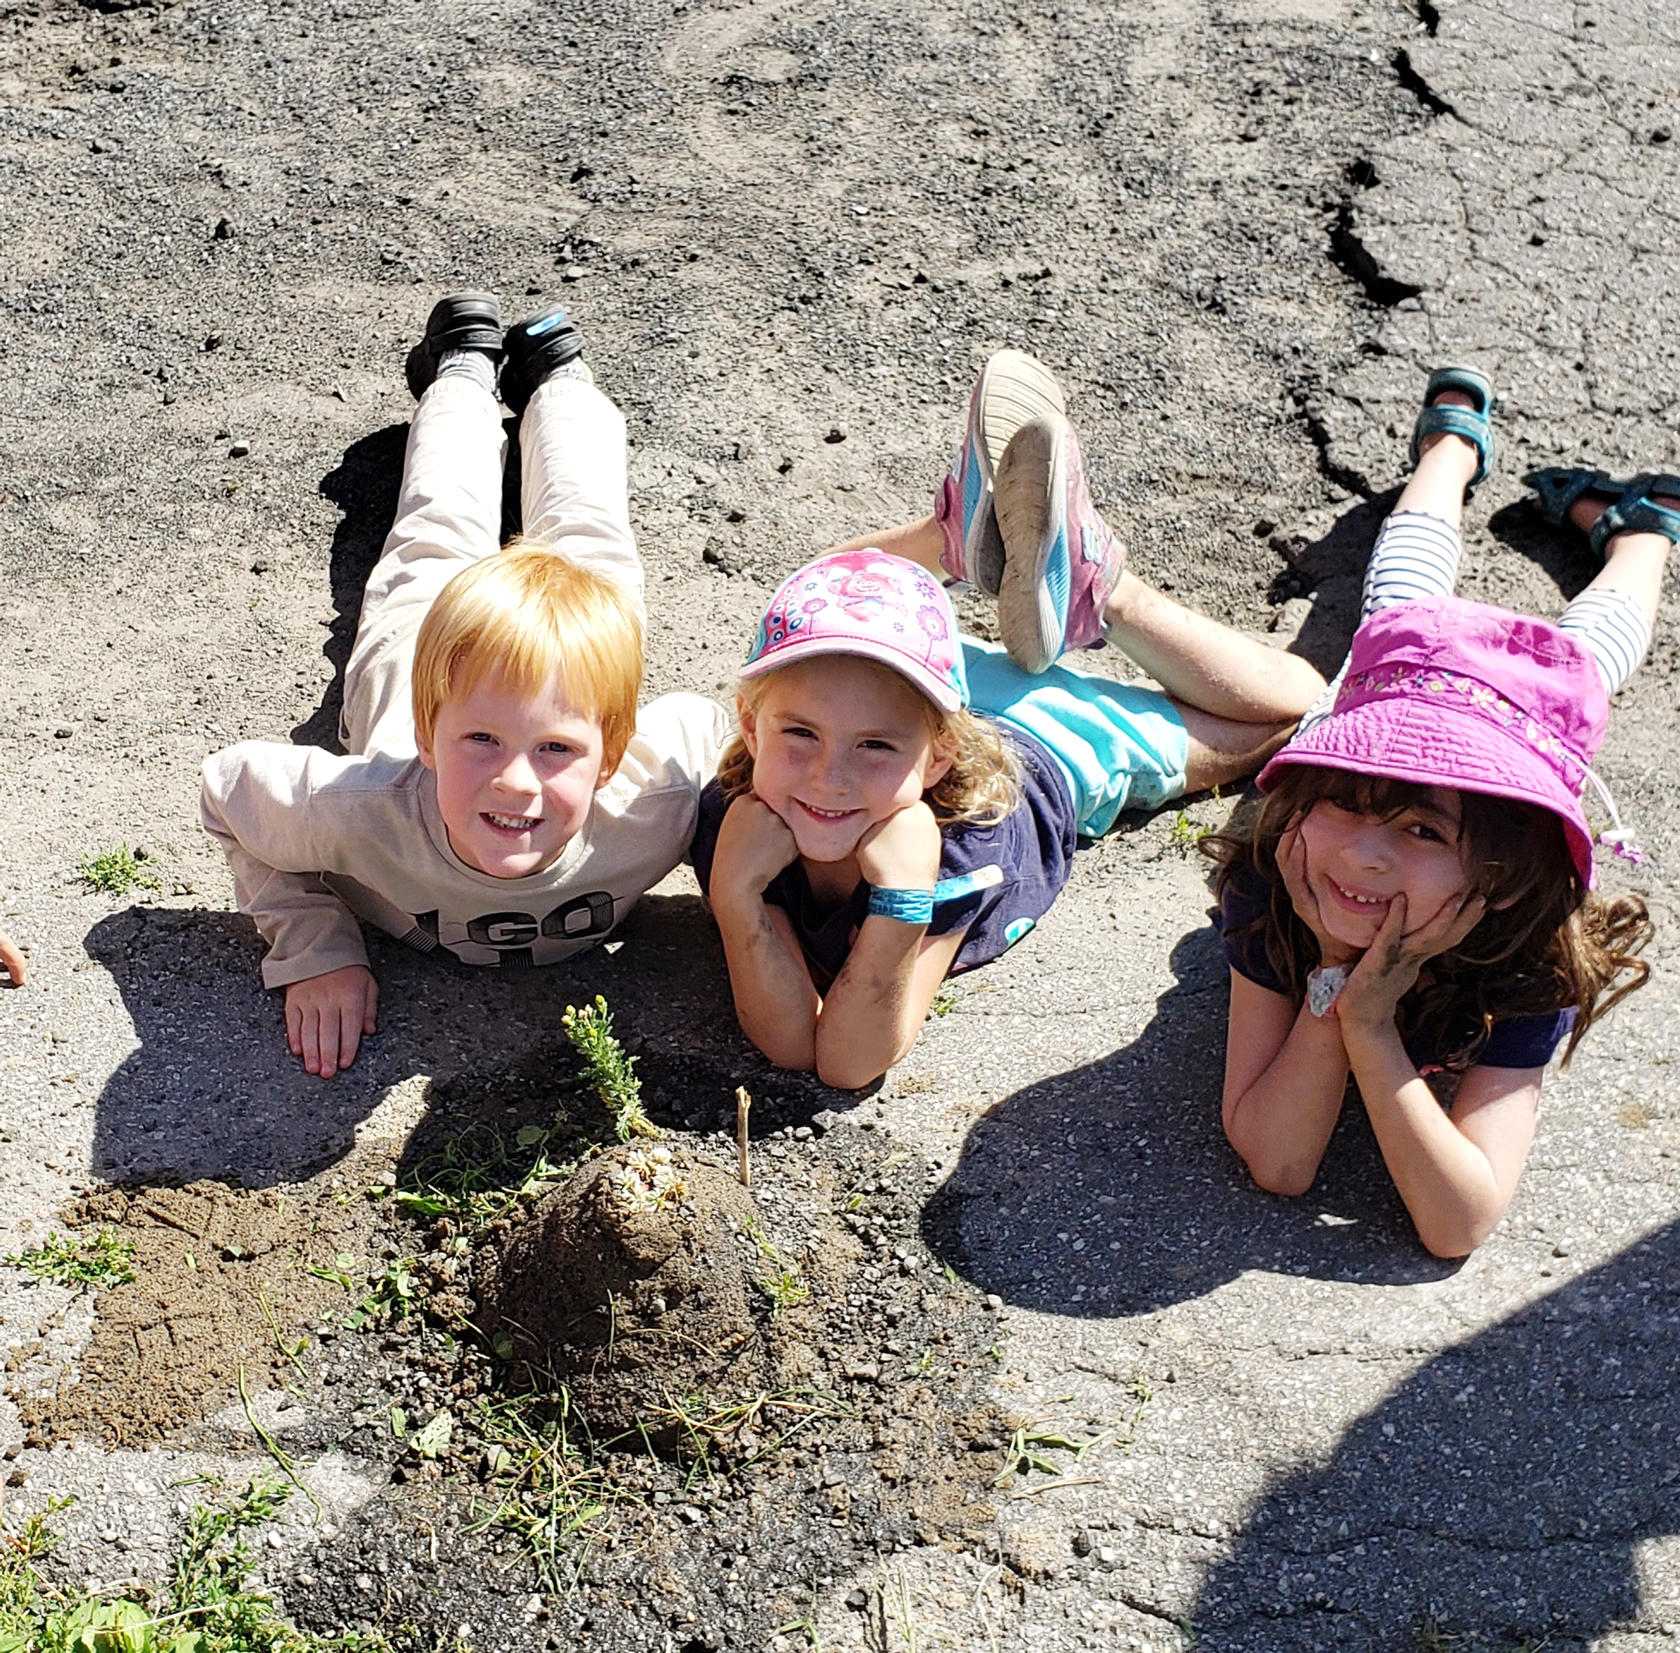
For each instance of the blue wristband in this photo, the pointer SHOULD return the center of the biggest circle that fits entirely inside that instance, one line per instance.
(907, 906)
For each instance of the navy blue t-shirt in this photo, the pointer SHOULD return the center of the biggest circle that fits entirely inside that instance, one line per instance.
(1031, 850)
(1515, 1042)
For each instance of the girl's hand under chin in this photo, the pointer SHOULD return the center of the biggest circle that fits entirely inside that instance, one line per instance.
(1389, 968)
(754, 843)
(902, 852)
(1292, 864)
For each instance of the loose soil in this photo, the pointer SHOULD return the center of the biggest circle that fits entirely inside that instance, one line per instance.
(615, 1379)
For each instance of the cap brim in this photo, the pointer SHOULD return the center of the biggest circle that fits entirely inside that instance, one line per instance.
(1436, 744)
(806, 647)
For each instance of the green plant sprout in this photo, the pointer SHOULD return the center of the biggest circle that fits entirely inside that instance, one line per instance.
(784, 1285)
(104, 1261)
(204, 1608)
(610, 1071)
(118, 871)
(1030, 1443)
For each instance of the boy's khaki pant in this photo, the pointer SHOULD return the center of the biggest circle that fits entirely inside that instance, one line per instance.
(574, 497)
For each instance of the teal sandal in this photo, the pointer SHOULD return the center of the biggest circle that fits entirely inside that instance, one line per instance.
(1474, 424)
(1632, 509)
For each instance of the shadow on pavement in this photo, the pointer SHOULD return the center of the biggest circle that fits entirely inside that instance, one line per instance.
(1499, 1496)
(212, 1091)
(1110, 1189)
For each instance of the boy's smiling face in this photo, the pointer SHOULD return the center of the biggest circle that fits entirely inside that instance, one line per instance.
(838, 744)
(516, 775)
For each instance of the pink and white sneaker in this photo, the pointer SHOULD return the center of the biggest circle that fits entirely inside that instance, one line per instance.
(1061, 560)
(1013, 387)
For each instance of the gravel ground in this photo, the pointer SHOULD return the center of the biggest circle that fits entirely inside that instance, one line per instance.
(1240, 232)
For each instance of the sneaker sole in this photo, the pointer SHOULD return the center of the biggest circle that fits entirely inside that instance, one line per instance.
(1014, 388)
(1030, 499)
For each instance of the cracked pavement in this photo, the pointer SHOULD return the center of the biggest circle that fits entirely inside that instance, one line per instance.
(1241, 231)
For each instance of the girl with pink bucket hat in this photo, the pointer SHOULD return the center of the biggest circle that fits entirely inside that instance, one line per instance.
(1415, 895)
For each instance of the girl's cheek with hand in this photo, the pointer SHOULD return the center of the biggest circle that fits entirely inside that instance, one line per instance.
(1353, 865)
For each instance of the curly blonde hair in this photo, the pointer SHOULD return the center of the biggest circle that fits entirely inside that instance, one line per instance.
(981, 788)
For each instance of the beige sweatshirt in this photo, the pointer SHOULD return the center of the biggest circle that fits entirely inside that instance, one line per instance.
(316, 841)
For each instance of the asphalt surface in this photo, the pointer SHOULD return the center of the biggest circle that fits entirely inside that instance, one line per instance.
(1241, 232)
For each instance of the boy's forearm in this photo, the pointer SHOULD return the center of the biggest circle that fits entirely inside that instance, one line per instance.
(1282, 1123)
(775, 1002)
(1445, 1180)
(869, 1018)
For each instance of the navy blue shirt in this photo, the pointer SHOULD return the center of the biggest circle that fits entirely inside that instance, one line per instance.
(1031, 848)
(1514, 1042)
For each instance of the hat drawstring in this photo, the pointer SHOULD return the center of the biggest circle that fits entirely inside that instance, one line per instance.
(1618, 838)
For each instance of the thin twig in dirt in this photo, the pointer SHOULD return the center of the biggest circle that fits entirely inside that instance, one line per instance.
(1056, 1486)
(743, 1106)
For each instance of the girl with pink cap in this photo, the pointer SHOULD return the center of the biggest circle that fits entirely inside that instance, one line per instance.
(1415, 896)
(900, 803)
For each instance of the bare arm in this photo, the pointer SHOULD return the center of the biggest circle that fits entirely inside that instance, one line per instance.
(12, 960)
(879, 1001)
(775, 1001)
(1285, 1077)
(1456, 1172)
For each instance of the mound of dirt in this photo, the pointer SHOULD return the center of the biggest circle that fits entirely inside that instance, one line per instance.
(647, 1282)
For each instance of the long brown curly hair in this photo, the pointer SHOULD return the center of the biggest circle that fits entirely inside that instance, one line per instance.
(1546, 942)
(981, 788)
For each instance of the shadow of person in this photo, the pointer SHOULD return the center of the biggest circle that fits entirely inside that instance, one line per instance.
(1498, 1496)
(1560, 552)
(210, 1089)
(1110, 1189)
(1330, 569)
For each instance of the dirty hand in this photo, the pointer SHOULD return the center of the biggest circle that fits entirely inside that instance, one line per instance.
(327, 1015)
(11, 960)
(1292, 864)
(753, 845)
(1389, 968)
(902, 852)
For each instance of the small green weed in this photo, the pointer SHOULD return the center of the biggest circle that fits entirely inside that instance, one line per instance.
(118, 871)
(105, 1260)
(609, 1070)
(752, 1427)
(1184, 834)
(204, 1608)
(481, 1175)
(784, 1285)
(944, 1001)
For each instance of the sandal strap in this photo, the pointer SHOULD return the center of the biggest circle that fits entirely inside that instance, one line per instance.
(1637, 513)
(1557, 487)
(1472, 424)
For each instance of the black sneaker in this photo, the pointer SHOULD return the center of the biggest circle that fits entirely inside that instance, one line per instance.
(535, 349)
(463, 321)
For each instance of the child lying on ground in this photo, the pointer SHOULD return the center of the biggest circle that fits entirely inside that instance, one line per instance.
(900, 802)
(1416, 894)
(502, 799)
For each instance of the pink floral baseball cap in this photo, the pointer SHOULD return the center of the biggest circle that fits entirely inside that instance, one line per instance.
(1463, 695)
(870, 604)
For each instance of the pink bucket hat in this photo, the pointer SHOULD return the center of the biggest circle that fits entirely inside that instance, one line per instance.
(1463, 695)
(866, 603)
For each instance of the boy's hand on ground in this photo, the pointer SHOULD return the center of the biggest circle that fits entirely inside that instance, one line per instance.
(326, 1017)
(1292, 864)
(902, 852)
(754, 844)
(11, 960)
